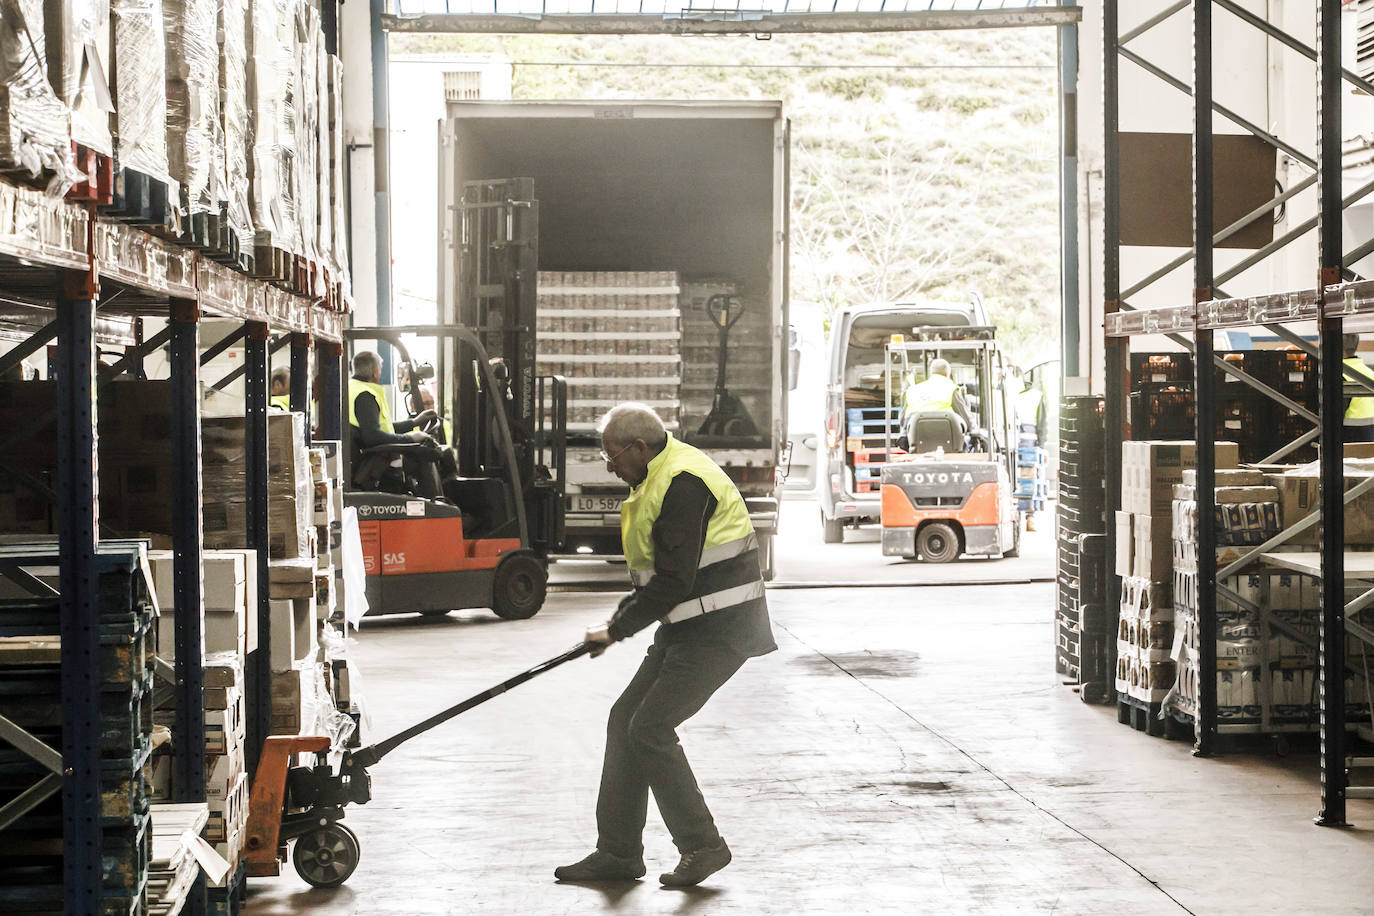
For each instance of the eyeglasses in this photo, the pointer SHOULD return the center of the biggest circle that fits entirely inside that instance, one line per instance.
(610, 459)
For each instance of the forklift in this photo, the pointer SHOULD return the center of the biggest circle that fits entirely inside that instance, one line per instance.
(949, 491)
(485, 541)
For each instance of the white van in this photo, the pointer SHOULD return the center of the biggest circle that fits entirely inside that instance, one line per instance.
(856, 392)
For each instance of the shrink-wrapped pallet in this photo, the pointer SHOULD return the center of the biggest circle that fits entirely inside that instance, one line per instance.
(235, 127)
(337, 188)
(193, 99)
(271, 102)
(139, 87)
(35, 126)
(78, 44)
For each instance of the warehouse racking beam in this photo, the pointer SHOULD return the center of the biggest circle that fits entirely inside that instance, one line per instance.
(1330, 244)
(79, 590)
(258, 666)
(1204, 379)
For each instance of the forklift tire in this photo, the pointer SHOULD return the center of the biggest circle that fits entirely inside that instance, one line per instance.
(938, 543)
(519, 587)
(832, 530)
(326, 857)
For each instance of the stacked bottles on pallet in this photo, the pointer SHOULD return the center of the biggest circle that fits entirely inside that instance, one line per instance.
(1081, 621)
(1162, 400)
(31, 876)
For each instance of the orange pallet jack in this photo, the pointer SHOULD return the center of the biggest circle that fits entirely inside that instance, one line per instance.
(306, 803)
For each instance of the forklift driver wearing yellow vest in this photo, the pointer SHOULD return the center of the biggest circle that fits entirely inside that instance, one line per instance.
(937, 392)
(369, 415)
(1359, 411)
(694, 561)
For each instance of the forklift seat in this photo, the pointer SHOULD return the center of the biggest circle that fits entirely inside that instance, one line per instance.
(932, 429)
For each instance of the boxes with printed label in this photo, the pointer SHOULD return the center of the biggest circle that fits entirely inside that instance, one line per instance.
(1149, 471)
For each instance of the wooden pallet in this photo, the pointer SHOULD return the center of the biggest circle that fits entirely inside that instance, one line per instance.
(97, 183)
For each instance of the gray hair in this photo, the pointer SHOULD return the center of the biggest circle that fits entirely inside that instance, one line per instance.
(366, 364)
(939, 367)
(624, 423)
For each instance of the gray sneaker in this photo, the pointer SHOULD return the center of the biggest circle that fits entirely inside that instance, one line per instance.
(602, 866)
(695, 867)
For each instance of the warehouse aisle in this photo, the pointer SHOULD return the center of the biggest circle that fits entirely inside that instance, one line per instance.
(904, 751)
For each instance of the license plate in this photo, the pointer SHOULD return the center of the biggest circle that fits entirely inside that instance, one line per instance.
(597, 503)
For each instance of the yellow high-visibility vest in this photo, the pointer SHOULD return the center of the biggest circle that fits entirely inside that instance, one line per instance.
(1361, 410)
(935, 393)
(729, 533)
(357, 387)
(280, 400)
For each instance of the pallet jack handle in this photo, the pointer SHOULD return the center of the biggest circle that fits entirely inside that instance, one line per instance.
(367, 756)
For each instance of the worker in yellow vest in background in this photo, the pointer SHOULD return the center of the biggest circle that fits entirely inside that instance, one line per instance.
(1359, 411)
(280, 393)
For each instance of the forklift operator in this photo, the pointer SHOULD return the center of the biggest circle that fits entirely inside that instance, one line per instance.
(693, 558)
(370, 419)
(938, 392)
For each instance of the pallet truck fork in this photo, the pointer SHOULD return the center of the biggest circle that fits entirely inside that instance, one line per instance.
(306, 803)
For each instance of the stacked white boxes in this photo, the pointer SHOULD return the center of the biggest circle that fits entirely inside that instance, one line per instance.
(290, 492)
(229, 594)
(615, 336)
(327, 510)
(1146, 670)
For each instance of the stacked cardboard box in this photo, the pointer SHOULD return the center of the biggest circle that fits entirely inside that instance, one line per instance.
(615, 336)
(138, 86)
(327, 508)
(229, 594)
(226, 776)
(194, 155)
(290, 492)
(1144, 559)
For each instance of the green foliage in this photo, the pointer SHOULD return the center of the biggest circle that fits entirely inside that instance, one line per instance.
(912, 175)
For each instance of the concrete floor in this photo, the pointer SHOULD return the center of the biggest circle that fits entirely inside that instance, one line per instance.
(908, 750)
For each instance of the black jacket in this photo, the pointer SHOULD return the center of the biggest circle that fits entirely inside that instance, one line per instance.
(679, 535)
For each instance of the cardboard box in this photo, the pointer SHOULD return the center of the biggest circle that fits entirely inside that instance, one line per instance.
(226, 631)
(224, 580)
(293, 692)
(1149, 471)
(1154, 555)
(1125, 543)
(1299, 496)
(294, 637)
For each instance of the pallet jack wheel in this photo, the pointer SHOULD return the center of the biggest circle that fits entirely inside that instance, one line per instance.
(937, 543)
(326, 857)
(520, 586)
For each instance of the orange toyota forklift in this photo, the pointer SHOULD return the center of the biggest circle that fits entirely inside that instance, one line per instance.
(949, 492)
(485, 541)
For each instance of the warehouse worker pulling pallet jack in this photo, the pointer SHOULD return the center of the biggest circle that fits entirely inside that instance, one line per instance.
(693, 558)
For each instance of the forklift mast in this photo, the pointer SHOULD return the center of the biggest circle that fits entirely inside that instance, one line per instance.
(497, 272)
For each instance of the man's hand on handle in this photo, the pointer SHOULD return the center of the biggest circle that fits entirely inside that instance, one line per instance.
(598, 637)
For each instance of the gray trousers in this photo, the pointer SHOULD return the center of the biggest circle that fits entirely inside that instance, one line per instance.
(643, 753)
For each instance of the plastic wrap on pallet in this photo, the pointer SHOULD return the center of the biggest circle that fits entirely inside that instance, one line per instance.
(338, 192)
(35, 125)
(324, 220)
(271, 100)
(193, 99)
(140, 96)
(306, 164)
(78, 42)
(234, 117)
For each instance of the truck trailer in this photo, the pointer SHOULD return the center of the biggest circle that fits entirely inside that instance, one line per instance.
(625, 233)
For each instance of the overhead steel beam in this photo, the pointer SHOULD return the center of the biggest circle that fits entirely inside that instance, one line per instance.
(731, 22)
